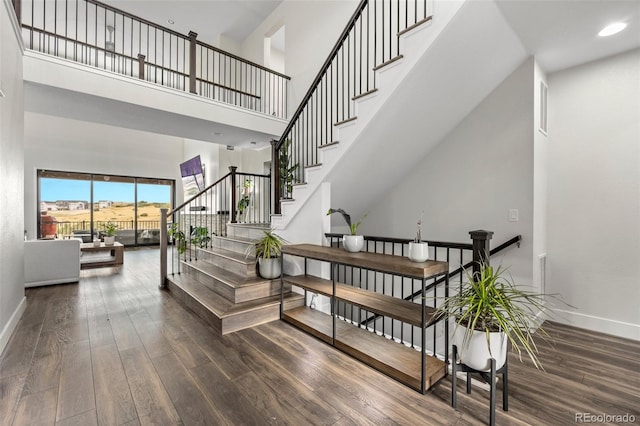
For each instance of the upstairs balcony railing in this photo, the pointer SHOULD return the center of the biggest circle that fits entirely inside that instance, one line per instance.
(369, 42)
(101, 36)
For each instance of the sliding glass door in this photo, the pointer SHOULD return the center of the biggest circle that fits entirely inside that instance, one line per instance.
(81, 204)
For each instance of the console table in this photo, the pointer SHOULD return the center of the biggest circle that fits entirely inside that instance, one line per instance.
(101, 256)
(413, 368)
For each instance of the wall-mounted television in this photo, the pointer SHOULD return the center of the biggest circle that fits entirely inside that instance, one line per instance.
(192, 177)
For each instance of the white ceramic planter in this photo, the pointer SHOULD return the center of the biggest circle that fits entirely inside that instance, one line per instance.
(108, 241)
(418, 252)
(475, 351)
(353, 243)
(269, 268)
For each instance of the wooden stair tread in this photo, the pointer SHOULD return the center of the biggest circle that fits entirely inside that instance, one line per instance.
(236, 239)
(391, 358)
(378, 303)
(223, 275)
(220, 306)
(231, 255)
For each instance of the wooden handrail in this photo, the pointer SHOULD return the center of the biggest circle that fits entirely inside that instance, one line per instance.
(198, 194)
(246, 61)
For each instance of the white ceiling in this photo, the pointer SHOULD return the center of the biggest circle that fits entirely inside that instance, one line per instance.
(564, 33)
(235, 19)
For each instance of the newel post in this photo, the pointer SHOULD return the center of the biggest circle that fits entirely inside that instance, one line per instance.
(481, 249)
(163, 248)
(275, 177)
(232, 169)
(192, 61)
(141, 61)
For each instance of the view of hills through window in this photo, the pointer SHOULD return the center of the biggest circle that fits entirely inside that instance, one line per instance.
(82, 204)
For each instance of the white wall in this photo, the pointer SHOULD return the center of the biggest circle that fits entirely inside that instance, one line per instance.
(471, 179)
(540, 179)
(594, 193)
(12, 300)
(68, 145)
(312, 28)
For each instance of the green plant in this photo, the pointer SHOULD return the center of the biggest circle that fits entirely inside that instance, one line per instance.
(200, 236)
(418, 237)
(287, 172)
(110, 229)
(353, 227)
(490, 302)
(178, 237)
(269, 246)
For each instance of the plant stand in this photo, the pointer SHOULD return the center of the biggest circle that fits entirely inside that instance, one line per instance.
(489, 377)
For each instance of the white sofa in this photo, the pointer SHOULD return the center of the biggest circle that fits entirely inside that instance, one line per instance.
(51, 262)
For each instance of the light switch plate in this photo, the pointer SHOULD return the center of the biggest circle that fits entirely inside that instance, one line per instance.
(514, 215)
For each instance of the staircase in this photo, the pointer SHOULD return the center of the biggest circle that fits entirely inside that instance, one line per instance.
(415, 98)
(221, 285)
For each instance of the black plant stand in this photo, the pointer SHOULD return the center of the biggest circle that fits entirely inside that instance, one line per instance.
(489, 377)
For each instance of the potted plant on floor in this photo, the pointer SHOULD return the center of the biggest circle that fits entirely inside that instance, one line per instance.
(351, 242)
(268, 252)
(489, 311)
(110, 230)
(418, 249)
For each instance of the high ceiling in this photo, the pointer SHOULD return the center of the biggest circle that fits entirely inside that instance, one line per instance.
(560, 33)
(235, 19)
(564, 33)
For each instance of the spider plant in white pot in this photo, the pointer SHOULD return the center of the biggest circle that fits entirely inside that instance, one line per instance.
(268, 252)
(418, 249)
(489, 311)
(351, 242)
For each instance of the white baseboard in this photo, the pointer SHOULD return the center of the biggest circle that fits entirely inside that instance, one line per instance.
(11, 325)
(602, 325)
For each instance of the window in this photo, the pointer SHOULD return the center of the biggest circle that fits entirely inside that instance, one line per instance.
(80, 204)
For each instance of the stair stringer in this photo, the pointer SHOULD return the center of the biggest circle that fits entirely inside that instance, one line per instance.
(413, 45)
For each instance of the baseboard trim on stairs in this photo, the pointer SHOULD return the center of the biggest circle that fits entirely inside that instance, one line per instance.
(417, 24)
(387, 63)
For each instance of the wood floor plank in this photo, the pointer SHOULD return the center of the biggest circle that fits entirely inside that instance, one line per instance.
(84, 419)
(37, 409)
(229, 400)
(76, 391)
(152, 401)
(114, 402)
(10, 391)
(17, 356)
(191, 403)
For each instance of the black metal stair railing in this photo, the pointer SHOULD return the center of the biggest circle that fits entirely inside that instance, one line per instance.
(234, 198)
(102, 36)
(369, 41)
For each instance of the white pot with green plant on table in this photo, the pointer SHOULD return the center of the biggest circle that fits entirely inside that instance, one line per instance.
(352, 242)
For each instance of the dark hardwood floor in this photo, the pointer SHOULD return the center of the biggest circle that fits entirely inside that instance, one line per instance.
(116, 350)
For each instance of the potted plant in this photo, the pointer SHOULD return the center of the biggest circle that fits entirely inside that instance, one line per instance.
(287, 173)
(110, 230)
(178, 237)
(268, 252)
(352, 242)
(245, 201)
(489, 311)
(200, 236)
(418, 250)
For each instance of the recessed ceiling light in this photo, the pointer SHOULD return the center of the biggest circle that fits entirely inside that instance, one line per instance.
(217, 134)
(612, 29)
(171, 21)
